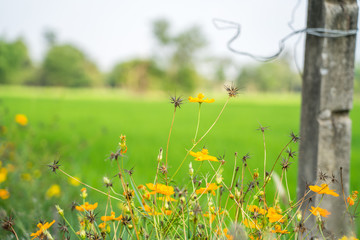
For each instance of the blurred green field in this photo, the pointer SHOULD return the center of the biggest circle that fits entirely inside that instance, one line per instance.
(82, 127)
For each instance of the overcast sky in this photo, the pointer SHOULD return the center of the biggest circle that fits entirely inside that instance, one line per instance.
(112, 30)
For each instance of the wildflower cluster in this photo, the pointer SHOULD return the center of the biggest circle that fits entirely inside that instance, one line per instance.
(240, 205)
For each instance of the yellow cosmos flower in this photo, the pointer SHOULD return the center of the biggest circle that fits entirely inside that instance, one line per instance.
(151, 211)
(3, 174)
(348, 238)
(86, 207)
(53, 191)
(210, 188)
(274, 216)
(200, 99)
(160, 188)
(254, 208)
(4, 194)
(167, 198)
(21, 119)
(319, 211)
(324, 189)
(74, 181)
(278, 230)
(352, 198)
(111, 217)
(251, 224)
(42, 229)
(203, 155)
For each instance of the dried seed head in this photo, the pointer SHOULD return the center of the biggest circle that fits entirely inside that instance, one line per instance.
(294, 138)
(176, 101)
(55, 166)
(231, 90)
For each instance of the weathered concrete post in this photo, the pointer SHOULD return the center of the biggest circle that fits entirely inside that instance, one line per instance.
(326, 101)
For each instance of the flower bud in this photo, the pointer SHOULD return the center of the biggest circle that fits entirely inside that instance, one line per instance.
(83, 193)
(159, 157)
(219, 178)
(60, 211)
(237, 193)
(191, 170)
(299, 216)
(82, 234)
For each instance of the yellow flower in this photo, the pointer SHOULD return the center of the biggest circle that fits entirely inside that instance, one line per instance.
(161, 188)
(200, 99)
(53, 191)
(86, 207)
(348, 238)
(324, 189)
(213, 215)
(74, 181)
(254, 208)
(278, 230)
(203, 155)
(352, 198)
(319, 211)
(42, 229)
(151, 211)
(274, 216)
(167, 198)
(3, 174)
(4, 194)
(210, 187)
(21, 119)
(251, 224)
(111, 217)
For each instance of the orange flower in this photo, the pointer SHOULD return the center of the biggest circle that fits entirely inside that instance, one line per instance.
(167, 198)
(274, 216)
(161, 188)
(251, 224)
(350, 201)
(111, 217)
(278, 230)
(122, 144)
(219, 233)
(200, 99)
(86, 207)
(151, 211)
(42, 229)
(254, 208)
(210, 187)
(102, 225)
(21, 119)
(4, 194)
(203, 155)
(319, 211)
(352, 198)
(213, 215)
(324, 189)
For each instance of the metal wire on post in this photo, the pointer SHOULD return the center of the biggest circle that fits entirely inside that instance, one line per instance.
(319, 32)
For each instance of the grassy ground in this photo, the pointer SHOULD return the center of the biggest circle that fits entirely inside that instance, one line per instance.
(82, 127)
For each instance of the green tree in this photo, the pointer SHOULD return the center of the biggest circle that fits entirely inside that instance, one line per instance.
(65, 65)
(15, 63)
(182, 49)
(273, 76)
(136, 74)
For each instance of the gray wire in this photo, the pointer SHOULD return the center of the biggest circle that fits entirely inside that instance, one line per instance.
(319, 32)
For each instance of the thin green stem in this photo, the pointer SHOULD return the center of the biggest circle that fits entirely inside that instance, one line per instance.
(88, 185)
(196, 143)
(198, 123)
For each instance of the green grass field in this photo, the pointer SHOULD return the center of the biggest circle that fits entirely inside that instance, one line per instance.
(82, 127)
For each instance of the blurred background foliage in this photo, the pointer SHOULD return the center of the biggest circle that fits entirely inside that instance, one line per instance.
(177, 62)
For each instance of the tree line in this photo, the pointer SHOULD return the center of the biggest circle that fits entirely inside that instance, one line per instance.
(178, 62)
